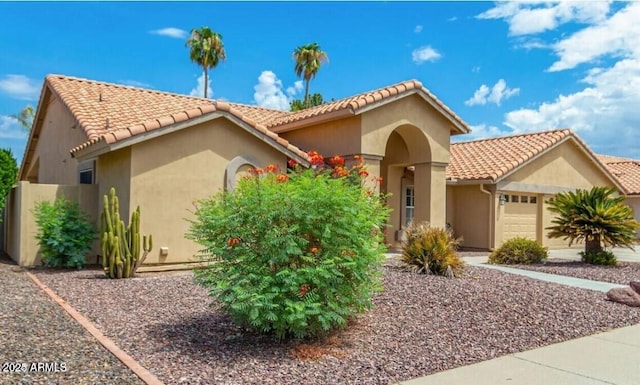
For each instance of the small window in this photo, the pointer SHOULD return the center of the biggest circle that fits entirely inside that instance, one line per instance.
(86, 177)
(533, 199)
(514, 199)
(409, 205)
(524, 199)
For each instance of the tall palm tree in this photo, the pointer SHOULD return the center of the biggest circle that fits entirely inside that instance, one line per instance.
(206, 50)
(308, 59)
(594, 216)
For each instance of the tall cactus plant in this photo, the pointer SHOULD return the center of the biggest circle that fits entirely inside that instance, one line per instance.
(121, 245)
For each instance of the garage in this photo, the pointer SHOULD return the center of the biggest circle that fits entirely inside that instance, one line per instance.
(520, 216)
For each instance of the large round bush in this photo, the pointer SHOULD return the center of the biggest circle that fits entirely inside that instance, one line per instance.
(293, 254)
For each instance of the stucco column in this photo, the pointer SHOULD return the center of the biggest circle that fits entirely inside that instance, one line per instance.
(430, 193)
(394, 202)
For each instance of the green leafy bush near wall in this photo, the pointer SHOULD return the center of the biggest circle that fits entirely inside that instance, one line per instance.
(295, 254)
(431, 250)
(519, 250)
(65, 234)
(604, 257)
(8, 175)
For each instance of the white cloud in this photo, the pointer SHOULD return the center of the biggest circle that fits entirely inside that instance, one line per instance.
(269, 92)
(480, 131)
(530, 17)
(10, 128)
(425, 53)
(618, 36)
(20, 87)
(454, 18)
(199, 89)
(417, 29)
(297, 87)
(173, 32)
(135, 83)
(605, 114)
(495, 94)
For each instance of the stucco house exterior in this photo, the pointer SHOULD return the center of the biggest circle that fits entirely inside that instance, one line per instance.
(497, 188)
(164, 151)
(627, 172)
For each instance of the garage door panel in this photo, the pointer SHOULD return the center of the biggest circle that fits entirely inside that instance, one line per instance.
(520, 220)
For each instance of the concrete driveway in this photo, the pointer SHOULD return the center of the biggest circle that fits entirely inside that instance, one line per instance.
(622, 254)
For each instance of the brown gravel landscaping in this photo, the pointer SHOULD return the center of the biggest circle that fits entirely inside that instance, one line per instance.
(420, 325)
(622, 274)
(34, 329)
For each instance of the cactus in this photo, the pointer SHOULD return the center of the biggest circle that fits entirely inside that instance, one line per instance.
(121, 244)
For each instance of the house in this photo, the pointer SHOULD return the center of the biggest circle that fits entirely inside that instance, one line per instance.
(164, 151)
(497, 188)
(627, 172)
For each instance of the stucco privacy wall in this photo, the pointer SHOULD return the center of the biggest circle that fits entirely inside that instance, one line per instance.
(20, 226)
(470, 215)
(172, 171)
(113, 169)
(58, 134)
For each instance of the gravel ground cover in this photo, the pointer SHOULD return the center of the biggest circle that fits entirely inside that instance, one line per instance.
(420, 325)
(34, 329)
(622, 274)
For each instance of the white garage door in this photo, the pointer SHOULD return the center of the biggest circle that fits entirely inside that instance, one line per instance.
(520, 216)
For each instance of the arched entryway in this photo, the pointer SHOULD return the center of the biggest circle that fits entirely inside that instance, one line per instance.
(412, 179)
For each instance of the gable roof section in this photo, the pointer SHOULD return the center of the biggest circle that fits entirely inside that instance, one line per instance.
(491, 160)
(111, 113)
(626, 171)
(357, 104)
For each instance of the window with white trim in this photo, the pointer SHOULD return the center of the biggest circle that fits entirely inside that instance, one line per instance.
(409, 201)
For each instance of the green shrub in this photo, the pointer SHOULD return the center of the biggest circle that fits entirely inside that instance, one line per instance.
(605, 257)
(431, 250)
(296, 254)
(8, 175)
(519, 251)
(65, 234)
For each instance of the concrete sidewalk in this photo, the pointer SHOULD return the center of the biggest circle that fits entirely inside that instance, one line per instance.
(606, 358)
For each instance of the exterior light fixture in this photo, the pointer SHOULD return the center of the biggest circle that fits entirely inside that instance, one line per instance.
(503, 199)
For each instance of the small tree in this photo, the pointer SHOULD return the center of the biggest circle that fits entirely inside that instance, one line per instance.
(314, 100)
(595, 217)
(8, 175)
(294, 254)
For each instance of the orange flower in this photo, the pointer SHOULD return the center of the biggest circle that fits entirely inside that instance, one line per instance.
(337, 161)
(282, 178)
(357, 157)
(272, 168)
(304, 289)
(259, 171)
(380, 180)
(363, 173)
(292, 163)
(314, 250)
(233, 241)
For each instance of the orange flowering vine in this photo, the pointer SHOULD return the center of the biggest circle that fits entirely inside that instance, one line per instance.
(315, 159)
(272, 168)
(336, 161)
(281, 178)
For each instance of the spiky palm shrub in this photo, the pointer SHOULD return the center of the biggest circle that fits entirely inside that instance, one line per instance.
(595, 217)
(431, 250)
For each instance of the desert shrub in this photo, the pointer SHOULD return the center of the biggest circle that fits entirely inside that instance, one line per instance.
(604, 257)
(519, 250)
(294, 254)
(431, 250)
(65, 234)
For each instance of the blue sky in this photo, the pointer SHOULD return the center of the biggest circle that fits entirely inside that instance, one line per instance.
(503, 67)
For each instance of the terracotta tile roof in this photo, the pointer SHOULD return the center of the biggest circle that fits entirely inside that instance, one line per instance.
(354, 104)
(492, 159)
(110, 112)
(626, 171)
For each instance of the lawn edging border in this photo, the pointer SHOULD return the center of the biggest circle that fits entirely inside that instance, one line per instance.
(139, 370)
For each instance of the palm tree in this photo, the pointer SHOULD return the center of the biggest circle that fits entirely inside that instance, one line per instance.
(206, 50)
(594, 216)
(308, 59)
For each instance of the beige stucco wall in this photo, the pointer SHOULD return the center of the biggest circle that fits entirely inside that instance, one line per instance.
(170, 172)
(59, 134)
(634, 202)
(113, 169)
(337, 137)
(21, 228)
(470, 215)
